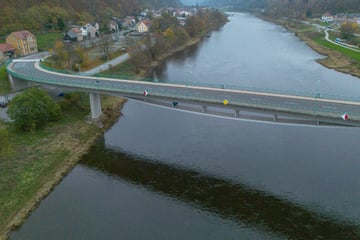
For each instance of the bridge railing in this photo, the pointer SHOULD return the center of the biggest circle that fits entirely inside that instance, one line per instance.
(313, 94)
(180, 93)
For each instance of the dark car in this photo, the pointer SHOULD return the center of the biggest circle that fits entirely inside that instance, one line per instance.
(3, 104)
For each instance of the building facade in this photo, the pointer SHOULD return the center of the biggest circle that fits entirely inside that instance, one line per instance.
(24, 42)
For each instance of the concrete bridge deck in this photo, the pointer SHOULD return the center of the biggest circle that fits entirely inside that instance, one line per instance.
(30, 71)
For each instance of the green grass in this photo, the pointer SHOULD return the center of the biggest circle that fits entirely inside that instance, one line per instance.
(4, 82)
(47, 40)
(36, 157)
(123, 69)
(352, 54)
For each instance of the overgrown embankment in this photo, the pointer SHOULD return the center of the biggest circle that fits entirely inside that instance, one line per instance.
(37, 161)
(4, 82)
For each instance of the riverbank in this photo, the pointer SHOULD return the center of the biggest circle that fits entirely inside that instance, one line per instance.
(40, 160)
(310, 35)
(125, 69)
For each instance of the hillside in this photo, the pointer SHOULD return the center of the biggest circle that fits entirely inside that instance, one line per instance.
(292, 8)
(49, 15)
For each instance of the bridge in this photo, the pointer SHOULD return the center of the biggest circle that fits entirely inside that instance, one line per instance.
(233, 102)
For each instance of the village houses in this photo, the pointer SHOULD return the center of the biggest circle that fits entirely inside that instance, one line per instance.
(341, 17)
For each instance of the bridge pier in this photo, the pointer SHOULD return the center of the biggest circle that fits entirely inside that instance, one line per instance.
(18, 84)
(95, 105)
(275, 118)
(204, 108)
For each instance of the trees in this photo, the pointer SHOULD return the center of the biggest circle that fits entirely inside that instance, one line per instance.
(32, 109)
(348, 29)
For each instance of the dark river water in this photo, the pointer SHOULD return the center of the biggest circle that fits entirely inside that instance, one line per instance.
(249, 53)
(160, 173)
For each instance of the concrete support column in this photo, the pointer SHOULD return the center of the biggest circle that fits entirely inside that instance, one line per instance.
(275, 118)
(204, 108)
(95, 105)
(11, 81)
(237, 113)
(18, 84)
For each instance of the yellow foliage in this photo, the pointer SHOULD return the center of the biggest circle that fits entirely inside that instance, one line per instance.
(169, 33)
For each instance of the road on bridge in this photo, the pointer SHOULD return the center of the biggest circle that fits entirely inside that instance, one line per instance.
(31, 71)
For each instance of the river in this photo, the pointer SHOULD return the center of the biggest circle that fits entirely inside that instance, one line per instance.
(160, 173)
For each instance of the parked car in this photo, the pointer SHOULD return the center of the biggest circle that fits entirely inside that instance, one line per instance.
(3, 104)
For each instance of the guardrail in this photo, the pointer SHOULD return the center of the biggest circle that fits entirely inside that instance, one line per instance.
(93, 84)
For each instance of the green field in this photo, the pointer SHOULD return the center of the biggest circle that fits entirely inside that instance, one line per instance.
(352, 54)
(33, 160)
(47, 40)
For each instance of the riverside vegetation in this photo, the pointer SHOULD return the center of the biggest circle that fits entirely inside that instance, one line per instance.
(32, 163)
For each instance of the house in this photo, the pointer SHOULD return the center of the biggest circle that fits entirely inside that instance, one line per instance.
(113, 26)
(347, 17)
(129, 21)
(6, 51)
(327, 17)
(143, 26)
(90, 30)
(74, 34)
(24, 42)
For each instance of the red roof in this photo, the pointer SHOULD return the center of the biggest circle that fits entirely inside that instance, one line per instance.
(6, 47)
(146, 22)
(22, 34)
(76, 30)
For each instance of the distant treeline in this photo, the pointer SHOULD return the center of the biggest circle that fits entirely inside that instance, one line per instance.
(53, 15)
(290, 8)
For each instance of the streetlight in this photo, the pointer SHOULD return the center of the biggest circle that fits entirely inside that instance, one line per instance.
(97, 84)
(318, 89)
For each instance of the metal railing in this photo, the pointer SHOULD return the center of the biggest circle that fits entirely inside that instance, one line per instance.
(182, 91)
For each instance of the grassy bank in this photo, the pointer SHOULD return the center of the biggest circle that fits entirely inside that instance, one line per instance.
(4, 82)
(37, 161)
(45, 41)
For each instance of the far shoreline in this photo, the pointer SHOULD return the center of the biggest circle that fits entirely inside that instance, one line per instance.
(333, 59)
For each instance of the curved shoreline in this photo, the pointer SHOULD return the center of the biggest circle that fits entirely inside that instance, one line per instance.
(333, 59)
(111, 115)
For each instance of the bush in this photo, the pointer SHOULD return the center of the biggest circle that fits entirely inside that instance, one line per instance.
(32, 109)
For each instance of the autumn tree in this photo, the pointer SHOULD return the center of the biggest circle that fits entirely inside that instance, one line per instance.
(140, 57)
(348, 29)
(194, 25)
(161, 24)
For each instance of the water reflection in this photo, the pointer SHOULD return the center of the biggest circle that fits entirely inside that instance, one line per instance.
(229, 200)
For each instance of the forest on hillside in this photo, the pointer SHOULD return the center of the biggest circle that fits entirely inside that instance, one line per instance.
(290, 8)
(54, 15)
